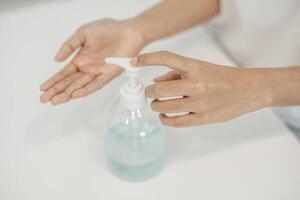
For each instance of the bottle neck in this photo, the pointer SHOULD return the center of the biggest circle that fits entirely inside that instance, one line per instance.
(132, 98)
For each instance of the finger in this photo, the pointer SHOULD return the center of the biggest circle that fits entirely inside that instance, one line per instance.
(167, 89)
(177, 105)
(59, 87)
(65, 72)
(61, 98)
(95, 69)
(79, 83)
(171, 60)
(169, 76)
(68, 47)
(96, 84)
(185, 120)
(66, 95)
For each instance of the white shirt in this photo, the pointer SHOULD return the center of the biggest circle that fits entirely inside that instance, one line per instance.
(261, 33)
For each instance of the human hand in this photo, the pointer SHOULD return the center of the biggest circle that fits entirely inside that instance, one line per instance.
(209, 93)
(87, 71)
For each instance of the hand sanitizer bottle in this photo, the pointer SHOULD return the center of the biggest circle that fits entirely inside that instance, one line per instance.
(135, 143)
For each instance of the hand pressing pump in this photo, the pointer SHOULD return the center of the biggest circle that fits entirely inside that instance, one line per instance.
(135, 142)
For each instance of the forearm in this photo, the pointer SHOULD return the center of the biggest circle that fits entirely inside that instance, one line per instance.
(172, 16)
(281, 85)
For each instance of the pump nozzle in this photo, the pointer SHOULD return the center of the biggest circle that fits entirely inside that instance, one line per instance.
(131, 72)
(132, 93)
(122, 62)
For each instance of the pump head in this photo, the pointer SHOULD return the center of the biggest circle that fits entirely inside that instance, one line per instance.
(132, 91)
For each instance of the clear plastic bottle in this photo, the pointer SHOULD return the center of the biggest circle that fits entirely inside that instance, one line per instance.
(135, 143)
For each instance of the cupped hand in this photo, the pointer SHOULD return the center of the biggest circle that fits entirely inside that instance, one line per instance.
(208, 93)
(87, 71)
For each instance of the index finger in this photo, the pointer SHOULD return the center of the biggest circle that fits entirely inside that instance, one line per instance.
(171, 60)
(68, 47)
(65, 72)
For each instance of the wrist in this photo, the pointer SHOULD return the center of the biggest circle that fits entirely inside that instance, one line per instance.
(258, 83)
(268, 82)
(273, 86)
(283, 84)
(130, 29)
(139, 24)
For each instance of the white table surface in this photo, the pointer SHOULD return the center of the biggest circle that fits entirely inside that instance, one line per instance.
(56, 152)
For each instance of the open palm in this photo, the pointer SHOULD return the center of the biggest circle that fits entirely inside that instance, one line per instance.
(87, 71)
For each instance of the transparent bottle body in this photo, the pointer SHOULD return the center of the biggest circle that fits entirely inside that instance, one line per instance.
(135, 143)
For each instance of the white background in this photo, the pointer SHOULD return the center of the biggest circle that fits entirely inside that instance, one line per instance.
(56, 152)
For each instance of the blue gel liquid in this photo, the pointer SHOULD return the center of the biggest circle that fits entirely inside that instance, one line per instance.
(135, 154)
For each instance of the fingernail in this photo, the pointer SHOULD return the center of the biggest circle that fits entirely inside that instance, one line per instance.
(43, 87)
(54, 103)
(134, 61)
(44, 98)
(57, 57)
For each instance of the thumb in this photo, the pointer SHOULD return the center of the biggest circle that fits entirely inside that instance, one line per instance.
(68, 47)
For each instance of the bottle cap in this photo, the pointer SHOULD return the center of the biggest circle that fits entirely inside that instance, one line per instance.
(132, 91)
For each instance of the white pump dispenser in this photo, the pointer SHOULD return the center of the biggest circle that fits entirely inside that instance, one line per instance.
(135, 142)
(132, 91)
